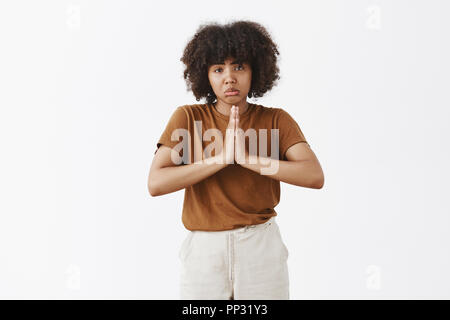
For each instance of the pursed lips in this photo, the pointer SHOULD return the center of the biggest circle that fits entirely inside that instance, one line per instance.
(232, 92)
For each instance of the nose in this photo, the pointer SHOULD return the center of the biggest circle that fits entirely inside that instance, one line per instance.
(229, 77)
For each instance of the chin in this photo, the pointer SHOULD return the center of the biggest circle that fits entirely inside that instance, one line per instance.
(237, 97)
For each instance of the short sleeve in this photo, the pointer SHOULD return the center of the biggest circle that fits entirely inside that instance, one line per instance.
(178, 120)
(289, 132)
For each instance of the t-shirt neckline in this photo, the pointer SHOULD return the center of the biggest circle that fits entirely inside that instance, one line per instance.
(216, 112)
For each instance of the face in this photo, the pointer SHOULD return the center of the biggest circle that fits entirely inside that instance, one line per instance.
(230, 75)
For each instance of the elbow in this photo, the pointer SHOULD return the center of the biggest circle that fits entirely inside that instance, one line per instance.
(319, 182)
(152, 188)
(319, 185)
(153, 192)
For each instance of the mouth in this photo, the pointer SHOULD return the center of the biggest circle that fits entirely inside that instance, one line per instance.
(232, 93)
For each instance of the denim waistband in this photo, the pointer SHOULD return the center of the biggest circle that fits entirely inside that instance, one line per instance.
(243, 229)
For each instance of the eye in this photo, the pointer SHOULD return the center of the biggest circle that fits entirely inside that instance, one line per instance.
(240, 66)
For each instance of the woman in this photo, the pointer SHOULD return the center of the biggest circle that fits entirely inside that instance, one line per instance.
(234, 249)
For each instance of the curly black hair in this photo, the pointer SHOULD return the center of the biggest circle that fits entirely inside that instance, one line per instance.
(246, 41)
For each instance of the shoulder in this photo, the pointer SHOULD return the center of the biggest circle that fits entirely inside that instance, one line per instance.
(261, 110)
(194, 107)
(193, 110)
(280, 118)
(186, 111)
(274, 113)
(282, 115)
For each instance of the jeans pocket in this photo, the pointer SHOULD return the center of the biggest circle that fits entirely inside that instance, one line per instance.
(283, 245)
(185, 246)
(286, 251)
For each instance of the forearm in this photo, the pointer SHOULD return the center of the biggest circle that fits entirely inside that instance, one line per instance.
(170, 179)
(303, 173)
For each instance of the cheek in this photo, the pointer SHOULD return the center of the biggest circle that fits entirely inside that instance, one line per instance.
(248, 78)
(212, 81)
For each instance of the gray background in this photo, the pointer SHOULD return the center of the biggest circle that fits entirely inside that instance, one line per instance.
(87, 87)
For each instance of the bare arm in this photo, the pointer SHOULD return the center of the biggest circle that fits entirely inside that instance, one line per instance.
(165, 177)
(302, 167)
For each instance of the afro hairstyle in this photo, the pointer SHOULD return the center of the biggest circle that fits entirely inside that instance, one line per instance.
(246, 41)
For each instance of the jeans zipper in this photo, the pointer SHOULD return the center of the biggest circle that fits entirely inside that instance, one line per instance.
(230, 256)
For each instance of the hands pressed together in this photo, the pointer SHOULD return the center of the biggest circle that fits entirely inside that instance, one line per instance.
(234, 150)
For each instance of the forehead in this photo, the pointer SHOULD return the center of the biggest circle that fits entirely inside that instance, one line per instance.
(228, 61)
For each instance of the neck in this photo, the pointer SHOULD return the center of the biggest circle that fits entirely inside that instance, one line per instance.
(225, 108)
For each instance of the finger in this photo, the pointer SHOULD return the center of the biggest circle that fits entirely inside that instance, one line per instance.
(231, 123)
(233, 116)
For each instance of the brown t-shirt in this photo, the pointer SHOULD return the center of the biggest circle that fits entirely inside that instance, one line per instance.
(234, 196)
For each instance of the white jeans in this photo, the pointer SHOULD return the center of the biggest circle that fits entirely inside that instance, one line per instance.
(248, 263)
